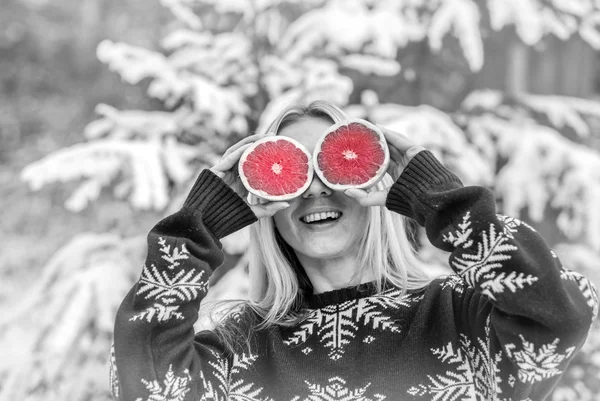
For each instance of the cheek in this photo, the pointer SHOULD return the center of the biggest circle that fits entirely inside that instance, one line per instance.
(361, 222)
(360, 214)
(283, 222)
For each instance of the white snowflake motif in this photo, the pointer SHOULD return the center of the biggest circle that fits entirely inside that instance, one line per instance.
(336, 325)
(173, 388)
(475, 375)
(537, 365)
(480, 266)
(588, 290)
(162, 312)
(455, 282)
(337, 390)
(184, 286)
(461, 237)
(511, 224)
(176, 256)
(228, 388)
(165, 290)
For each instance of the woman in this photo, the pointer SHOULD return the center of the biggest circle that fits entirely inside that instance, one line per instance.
(342, 309)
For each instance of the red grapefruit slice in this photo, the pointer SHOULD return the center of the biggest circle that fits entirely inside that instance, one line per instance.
(276, 168)
(351, 154)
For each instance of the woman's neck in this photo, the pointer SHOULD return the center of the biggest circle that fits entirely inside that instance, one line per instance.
(332, 274)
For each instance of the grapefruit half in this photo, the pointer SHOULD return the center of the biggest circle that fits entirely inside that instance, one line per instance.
(351, 154)
(276, 168)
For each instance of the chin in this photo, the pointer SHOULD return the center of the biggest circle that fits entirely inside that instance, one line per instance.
(322, 250)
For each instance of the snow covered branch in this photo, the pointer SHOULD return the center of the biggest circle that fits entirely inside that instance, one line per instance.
(542, 170)
(142, 168)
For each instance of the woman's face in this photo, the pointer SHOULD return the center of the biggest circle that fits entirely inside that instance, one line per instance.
(301, 225)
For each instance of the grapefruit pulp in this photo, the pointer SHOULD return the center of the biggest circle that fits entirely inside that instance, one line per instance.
(276, 168)
(351, 154)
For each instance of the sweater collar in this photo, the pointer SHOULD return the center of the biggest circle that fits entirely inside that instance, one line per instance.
(341, 295)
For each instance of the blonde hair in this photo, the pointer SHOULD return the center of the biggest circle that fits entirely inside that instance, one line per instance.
(278, 283)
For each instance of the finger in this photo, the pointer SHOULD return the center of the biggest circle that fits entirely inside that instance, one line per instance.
(396, 156)
(247, 140)
(364, 198)
(412, 152)
(255, 200)
(230, 160)
(401, 142)
(268, 209)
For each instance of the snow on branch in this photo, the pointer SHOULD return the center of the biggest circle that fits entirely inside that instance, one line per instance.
(382, 28)
(131, 123)
(462, 18)
(47, 333)
(525, 15)
(183, 12)
(174, 79)
(371, 64)
(186, 37)
(565, 111)
(543, 169)
(225, 58)
(561, 111)
(251, 8)
(143, 169)
(135, 64)
(350, 27)
(533, 19)
(226, 107)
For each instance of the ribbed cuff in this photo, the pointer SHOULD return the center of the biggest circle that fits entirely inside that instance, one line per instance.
(221, 209)
(424, 173)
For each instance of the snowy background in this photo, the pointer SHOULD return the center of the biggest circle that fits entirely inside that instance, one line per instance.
(110, 108)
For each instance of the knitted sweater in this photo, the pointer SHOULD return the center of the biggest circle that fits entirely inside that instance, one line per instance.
(504, 326)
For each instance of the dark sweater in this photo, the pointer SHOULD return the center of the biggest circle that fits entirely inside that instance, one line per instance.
(504, 326)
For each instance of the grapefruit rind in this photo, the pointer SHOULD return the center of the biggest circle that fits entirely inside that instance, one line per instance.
(255, 173)
(346, 181)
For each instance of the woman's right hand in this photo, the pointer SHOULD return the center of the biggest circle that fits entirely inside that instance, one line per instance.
(227, 170)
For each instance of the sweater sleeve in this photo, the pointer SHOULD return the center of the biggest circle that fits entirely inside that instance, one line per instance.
(533, 314)
(155, 353)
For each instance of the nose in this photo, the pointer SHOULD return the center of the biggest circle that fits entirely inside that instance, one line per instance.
(317, 189)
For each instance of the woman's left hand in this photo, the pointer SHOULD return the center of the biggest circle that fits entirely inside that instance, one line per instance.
(402, 150)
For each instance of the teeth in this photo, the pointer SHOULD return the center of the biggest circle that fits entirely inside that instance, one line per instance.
(320, 216)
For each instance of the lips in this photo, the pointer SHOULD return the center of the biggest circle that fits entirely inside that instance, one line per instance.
(320, 217)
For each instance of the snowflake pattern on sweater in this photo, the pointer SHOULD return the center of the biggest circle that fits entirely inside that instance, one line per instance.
(165, 289)
(337, 389)
(336, 325)
(228, 386)
(475, 374)
(537, 366)
(488, 253)
(503, 327)
(172, 388)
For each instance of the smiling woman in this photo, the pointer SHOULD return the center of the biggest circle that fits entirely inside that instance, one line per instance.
(341, 308)
(326, 247)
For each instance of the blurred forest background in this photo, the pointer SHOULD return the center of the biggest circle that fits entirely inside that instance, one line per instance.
(109, 109)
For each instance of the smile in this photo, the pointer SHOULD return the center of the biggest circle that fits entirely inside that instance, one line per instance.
(320, 217)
